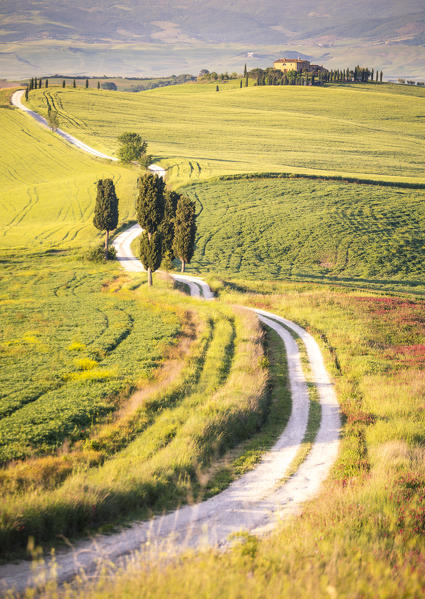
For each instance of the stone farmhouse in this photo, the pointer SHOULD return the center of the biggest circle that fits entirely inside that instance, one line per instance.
(298, 65)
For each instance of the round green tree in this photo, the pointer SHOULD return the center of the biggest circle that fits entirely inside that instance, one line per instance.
(132, 147)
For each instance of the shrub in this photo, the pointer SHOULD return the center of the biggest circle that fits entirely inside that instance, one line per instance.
(97, 254)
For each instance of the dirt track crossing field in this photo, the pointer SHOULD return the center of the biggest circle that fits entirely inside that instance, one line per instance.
(255, 502)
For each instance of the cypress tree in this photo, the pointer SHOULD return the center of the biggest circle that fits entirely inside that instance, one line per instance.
(74, 83)
(246, 80)
(63, 83)
(52, 118)
(106, 209)
(40, 81)
(245, 71)
(46, 83)
(150, 212)
(150, 252)
(240, 83)
(35, 83)
(184, 231)
(98, 85)
(380, 76)
(166, 227)
(87, 83)
(26, 92)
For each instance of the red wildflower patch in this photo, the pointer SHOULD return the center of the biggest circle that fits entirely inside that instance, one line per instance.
(412, 355)
(409, 497)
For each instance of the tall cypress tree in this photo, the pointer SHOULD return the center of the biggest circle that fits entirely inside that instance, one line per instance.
(26, 92)
(380, 76)
(150, 252)
(150, 212)
(46, 83)
(245, 71)
(184, 231)
(166, 227)
(35, 83)
(98, 85)
(74, 83)
(63, 83)
(106, 209)
(87, 83)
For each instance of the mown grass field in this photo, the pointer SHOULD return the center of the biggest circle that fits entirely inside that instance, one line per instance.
(48, 187)
(364, 535)
(368, 131)
(283, 228)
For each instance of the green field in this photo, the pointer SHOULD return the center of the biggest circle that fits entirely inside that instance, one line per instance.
(116, 397)
(68, 351)
(366, 131)
(48, 187)
(364, 535)
(286, 228)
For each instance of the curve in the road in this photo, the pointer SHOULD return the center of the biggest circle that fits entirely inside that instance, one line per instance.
(254, 502)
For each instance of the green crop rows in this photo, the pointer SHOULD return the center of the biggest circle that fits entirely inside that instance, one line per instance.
(67, 350)
(310, 228)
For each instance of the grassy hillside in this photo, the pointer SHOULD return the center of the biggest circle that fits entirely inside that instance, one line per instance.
(369, 131)
(364, 535)
(48, 187)
(69, 350)
(304, 228)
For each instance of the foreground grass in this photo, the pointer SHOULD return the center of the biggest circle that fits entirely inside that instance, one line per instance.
(151, 458)
(364, 535)
(311, 228)
(70, 350)
(369, 131)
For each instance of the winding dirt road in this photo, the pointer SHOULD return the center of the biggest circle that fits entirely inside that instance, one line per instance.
(255, 502)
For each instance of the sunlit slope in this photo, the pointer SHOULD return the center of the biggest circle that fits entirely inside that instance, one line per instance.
(48, 188)
(369, 131)
(310, 228)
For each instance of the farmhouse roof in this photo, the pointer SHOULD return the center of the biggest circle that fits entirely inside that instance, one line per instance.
(290, 60)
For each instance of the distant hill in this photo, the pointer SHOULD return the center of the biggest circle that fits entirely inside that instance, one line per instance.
(145, 38)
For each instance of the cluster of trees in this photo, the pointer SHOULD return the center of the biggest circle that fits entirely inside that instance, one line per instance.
(167, 218)
(36, 83)
(271, 76)
(168, 221)
(411, 82)
(205, 75)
